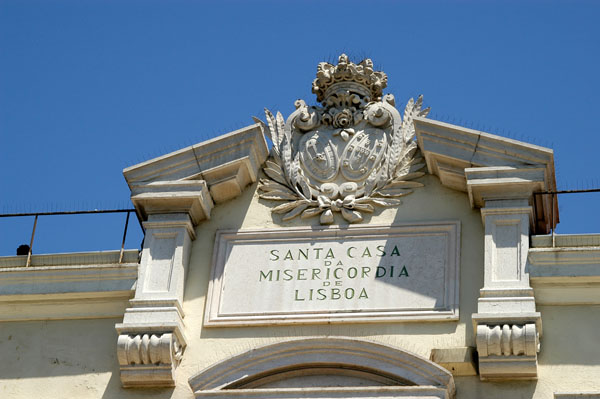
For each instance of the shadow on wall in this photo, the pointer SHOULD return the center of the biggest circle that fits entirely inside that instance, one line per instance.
(228, 216)
(435, 202)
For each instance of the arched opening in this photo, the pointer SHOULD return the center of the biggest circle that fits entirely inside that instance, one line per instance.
(342, 367)
(322, 374)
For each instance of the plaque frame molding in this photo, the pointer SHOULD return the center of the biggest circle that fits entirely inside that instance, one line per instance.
(449, 311)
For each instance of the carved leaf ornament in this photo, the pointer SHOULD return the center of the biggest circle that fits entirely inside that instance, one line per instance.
(349, 155)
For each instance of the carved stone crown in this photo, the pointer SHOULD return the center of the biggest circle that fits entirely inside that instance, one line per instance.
(349, 76)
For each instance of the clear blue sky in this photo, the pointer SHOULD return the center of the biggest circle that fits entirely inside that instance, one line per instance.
(90, 87)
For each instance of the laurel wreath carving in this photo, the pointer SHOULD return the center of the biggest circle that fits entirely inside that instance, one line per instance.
(390, 180)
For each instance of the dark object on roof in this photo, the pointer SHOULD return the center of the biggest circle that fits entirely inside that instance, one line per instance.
(23, 249)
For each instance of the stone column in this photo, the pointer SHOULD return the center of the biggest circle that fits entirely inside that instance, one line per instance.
(506, 324)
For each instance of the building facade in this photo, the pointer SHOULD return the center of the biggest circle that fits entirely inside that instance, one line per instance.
(366, 251)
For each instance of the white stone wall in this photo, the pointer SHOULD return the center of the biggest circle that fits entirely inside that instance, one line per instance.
(78, 358)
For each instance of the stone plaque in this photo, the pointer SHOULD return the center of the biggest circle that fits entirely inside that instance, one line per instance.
(403, 272)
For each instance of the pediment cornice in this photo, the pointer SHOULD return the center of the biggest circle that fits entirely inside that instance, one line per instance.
(193, 179)
(490, 167)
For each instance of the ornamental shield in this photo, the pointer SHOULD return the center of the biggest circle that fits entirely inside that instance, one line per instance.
(363, 153)
(319, 155)
(347, 156)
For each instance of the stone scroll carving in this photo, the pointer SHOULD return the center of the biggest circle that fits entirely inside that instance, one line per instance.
(148, 349)
(349, 155)
(508, 351)
(507, 340)
(148, 360)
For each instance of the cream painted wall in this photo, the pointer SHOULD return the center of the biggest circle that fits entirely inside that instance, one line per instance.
(430, 203)
(77, 358)
(568, 361)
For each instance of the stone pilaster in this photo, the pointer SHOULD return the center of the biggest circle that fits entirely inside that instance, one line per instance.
(151, 338)
(506, 324)
(172, 194)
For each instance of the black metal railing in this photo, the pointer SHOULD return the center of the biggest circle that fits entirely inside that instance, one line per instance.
(95, 211)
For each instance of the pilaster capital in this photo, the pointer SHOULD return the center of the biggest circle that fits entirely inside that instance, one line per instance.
(507, 209)
(191, 197)
(503, 182)
(504, 187)
(171, 221)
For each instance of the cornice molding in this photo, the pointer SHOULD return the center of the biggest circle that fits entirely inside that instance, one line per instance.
(67, 286)
(567, 274)
(195, 178)
(490, 167)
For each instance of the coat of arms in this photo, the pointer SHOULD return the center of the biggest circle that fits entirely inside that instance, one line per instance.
(349, 155)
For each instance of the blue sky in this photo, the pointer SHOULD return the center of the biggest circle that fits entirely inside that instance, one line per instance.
(88, 88)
